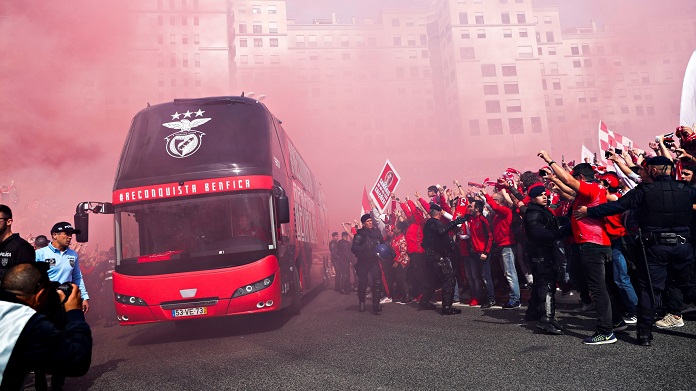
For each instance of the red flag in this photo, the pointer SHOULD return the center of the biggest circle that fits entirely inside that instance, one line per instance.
(609, 139)
(365, 202)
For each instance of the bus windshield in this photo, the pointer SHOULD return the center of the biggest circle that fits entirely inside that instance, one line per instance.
(194, 234)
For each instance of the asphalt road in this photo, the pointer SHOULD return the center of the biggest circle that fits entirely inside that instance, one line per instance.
(331, 346)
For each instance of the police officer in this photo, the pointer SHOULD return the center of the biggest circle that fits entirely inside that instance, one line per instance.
(364, 247)
(663, 212)
(438, 246)
(542, 232)
(13, 249)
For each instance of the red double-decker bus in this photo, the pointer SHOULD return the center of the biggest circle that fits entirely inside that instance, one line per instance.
(215, 212)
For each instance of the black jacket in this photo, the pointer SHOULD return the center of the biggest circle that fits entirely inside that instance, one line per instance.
(42, 347)
(364, 244)
(541, 226)
(13, 251)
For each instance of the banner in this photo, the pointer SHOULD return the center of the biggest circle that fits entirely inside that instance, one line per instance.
(687, 116)
(386, 184)
(609, 139)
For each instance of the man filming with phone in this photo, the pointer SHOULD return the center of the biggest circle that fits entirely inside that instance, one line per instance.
(31, 342)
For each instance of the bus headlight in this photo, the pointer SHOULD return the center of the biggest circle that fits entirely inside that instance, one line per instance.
(129, 300)
(254, 287)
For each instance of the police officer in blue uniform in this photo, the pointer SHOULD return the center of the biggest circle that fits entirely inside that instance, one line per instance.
(365, 249)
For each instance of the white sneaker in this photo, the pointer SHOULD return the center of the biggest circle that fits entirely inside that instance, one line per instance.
(385, 300)
(669, 321)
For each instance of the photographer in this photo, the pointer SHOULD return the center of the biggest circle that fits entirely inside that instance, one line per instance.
(28, 340)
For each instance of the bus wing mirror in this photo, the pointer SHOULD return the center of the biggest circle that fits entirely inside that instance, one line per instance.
(82, 224)
(283, 209)
(82, 217)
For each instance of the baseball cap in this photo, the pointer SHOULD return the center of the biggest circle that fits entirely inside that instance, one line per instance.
(64, 226)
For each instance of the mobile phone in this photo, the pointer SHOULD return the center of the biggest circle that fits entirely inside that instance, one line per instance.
(607, 154)
(618, 151)
(542, 173)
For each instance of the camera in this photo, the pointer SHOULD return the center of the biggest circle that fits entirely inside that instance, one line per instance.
(607, 154)
(618, 151)
(66, 288)
(542, 173)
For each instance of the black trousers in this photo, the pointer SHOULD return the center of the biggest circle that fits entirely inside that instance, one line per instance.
(371, 270)
(441, 269)
(665, 264)
(413, 273)
(542, 302)
(342, 279)
(402, 287)
(593, 261)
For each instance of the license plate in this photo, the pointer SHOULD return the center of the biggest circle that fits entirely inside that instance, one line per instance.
(190, 312)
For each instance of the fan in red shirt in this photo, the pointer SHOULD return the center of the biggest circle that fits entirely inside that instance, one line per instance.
(481, 244)
(594, 251)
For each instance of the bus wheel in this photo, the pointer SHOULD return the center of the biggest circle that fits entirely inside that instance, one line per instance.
(296, 305)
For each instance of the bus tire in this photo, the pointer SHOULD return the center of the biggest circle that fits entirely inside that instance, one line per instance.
(296, 304)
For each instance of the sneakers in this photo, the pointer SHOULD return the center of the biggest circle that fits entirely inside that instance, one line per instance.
(511, 304)
(488, 305)
(385, 300)
(620, 326)
(670, 321)
(630, 319)
(585, 307)
(600, 339)
(473, 303)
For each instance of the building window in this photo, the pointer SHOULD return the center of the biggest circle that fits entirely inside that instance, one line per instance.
(490, 89)
(521, 19)
(558, 99)
(577, 64)
(255, 9)
(514, 106)
(481, 33)
(479, 17)
(547, 20)
(585, 49)
(505, 17)
(552, 50)
(257, 29)
(273, 27)
(495, 126)
(184, 39)
(488, 70)
(523, 33)
(299, 41)
(579, 81)
(507, 33)
(273, 42)
(258, 42)
(344, 41)
(463, 18)
(549, 36)
(574, 50)
(184, 60)
(650, 110)
(525, 52)
(183, 21)
(587, 62)
(258, 59)
(465, 34)
(516, 125)
(467, 53)
(536, 125)
(196, 39)
(312, 41)
(513, 88)
(492, 106)
(196, 21)
(160, 39)
(396, 41)
(328, 40)
(554, 67)
(197, 60)
(272, 9)
(411, 40)
(510, 70)
(639, 111)
(242, 28)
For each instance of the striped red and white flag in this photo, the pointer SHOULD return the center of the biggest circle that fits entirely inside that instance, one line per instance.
(609, 139)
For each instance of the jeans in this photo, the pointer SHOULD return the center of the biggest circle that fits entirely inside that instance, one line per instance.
(593, 258)
(621, 279)
(482, 269)
(507, 257)
(473, 278)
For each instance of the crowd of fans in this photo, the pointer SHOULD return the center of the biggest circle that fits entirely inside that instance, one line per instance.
(493, 251)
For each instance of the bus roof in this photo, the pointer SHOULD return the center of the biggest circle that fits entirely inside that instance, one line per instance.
(190, 139)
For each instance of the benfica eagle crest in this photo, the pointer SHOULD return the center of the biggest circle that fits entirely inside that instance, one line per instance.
(186, 141)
